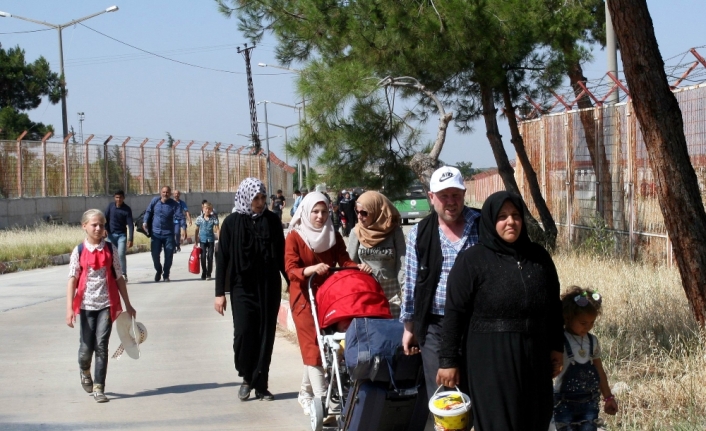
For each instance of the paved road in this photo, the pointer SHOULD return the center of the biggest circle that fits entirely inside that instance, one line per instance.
(185, 379)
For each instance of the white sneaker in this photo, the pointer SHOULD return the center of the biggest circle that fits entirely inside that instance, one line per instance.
(305, 403)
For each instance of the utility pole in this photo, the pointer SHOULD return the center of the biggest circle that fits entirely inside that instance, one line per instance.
(255, 138)
(612, 51)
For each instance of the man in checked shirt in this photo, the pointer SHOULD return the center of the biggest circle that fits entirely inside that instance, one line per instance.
(432, 247)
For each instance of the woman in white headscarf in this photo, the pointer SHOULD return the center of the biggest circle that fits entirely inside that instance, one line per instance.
(248, 265)
(312, 247)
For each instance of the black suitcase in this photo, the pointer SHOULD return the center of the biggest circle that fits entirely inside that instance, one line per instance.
(376, 406)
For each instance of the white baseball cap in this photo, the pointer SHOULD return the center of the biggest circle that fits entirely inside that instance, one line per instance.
(446, 177)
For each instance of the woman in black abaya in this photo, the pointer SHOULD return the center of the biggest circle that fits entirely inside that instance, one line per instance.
(248, 265)
(502, 300)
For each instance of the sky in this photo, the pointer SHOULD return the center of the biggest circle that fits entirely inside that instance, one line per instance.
(123, 91)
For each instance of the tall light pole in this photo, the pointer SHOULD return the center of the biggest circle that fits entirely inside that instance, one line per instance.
(59, 28)
(81, 117)
(612, 51)
(286, 156)
(300, 113)
(267, 150)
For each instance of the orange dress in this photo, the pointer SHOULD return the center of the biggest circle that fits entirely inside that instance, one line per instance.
(297, 256)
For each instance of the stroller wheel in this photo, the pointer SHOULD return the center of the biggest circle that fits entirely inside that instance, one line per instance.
(316, 414)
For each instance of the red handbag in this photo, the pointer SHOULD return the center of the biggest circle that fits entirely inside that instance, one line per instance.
(195, 260)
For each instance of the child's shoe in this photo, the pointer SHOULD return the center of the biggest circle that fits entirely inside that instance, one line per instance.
(86, 380)
(98, 394)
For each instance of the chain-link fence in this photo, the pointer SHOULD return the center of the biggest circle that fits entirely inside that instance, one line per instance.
(592, 166)
(42, 169)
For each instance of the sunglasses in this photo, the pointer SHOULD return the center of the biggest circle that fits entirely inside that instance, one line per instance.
(363, 213)
(582, 299)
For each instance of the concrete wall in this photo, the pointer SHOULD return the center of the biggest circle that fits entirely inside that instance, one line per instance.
(28, 211)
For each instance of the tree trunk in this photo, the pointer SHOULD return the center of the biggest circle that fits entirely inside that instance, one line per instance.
(505, 169)
(545, 215)
(662, 126)
(596, 147)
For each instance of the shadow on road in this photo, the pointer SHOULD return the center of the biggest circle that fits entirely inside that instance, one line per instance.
(177, 389)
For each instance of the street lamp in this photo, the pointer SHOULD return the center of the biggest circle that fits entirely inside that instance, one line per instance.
(303, 102)
(81, 117)
(59, 28)
(286, 156)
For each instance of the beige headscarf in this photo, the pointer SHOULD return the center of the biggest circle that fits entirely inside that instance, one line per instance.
(382, 213)
(318, 240)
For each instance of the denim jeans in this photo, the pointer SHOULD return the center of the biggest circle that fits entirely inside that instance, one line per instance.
(207, 258)
(156, 244)
(177, 235)
(578, 415)
(120, 241)
(95, 333)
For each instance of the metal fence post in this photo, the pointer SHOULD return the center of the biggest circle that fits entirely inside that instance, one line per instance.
(188, 166)
(159, 165)
(215, 166)
(44, 163)
(87, 165)
(19, 164)
(174, 163)
(142, 167)
(66, 164)
(123, 162)
(228, 167)
(203, 166)
(105, 163)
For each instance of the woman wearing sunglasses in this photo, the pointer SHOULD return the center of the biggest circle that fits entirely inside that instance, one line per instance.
(377, 240)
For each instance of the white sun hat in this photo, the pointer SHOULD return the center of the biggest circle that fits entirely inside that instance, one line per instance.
(129, 343)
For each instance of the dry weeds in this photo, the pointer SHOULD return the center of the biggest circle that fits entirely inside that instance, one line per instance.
(653, 350)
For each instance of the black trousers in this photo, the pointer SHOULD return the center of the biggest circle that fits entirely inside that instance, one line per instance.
(96, 327)
(207, 258)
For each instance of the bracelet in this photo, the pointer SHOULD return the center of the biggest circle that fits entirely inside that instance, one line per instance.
(606, 399)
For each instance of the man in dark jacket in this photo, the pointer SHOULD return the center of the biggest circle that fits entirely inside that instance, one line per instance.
(163, 211)
(120, 227)
(432, 247)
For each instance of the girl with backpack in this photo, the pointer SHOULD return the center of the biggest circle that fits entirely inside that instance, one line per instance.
(95, 286)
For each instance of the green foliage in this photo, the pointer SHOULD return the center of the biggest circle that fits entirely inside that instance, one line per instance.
(22, 86)
(466, 169)
(13, 123)
(600, 241)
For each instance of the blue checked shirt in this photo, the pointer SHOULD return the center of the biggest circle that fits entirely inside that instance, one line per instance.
(449, 252)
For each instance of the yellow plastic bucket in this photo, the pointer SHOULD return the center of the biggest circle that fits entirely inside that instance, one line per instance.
(450, 409)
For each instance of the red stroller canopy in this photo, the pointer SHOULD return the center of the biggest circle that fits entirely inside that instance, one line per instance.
(348, 294)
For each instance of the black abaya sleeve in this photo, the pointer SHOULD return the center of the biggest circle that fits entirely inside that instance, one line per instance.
(555, 320)
(460, 288)
(223, 256)
(277, 235)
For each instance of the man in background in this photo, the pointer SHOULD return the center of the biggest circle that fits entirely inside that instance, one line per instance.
(120, 227)
(185, 211)
(163, 211)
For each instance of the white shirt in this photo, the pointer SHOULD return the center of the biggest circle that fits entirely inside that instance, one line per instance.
(576, 342)
(95, 297)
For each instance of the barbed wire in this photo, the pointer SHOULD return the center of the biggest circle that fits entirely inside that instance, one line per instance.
(599, 88)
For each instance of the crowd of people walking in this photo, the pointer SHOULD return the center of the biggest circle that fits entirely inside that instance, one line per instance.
(479, 301)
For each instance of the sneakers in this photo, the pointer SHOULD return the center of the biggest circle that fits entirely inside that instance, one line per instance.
(98, 394)
(305, 403)
(125, 277)
(166, 279)
(86, 380)
(264, 396)
(157, 277)
(203, 276)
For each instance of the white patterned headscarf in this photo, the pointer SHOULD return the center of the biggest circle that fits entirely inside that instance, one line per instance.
(247, 191)
(320, 239)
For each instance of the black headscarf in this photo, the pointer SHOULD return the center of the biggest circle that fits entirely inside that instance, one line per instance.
(489, 237)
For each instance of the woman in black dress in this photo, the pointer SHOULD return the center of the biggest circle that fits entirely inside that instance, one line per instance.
(503, 323)
(248, 265)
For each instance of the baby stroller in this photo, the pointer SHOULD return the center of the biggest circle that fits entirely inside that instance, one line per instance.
(350, 295)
